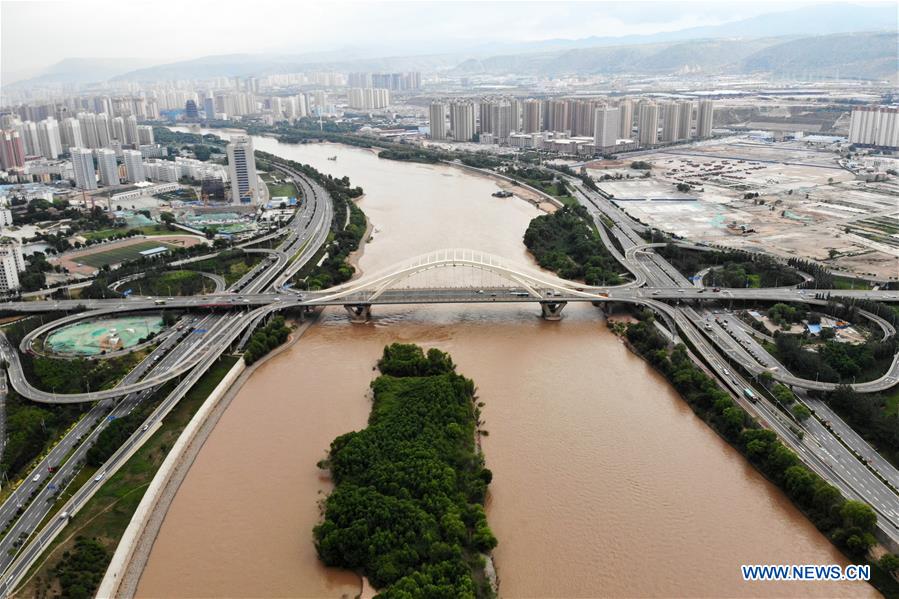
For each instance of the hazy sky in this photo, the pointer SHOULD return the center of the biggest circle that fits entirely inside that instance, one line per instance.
(38, 33)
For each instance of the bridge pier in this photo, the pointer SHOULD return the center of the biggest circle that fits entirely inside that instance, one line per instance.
(552, 310)
(359, 313)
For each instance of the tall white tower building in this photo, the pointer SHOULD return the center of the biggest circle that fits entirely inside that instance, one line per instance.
(48, 134)
(134, 165)
(83, 167)
(11, 264)
(109, 169)
(606, 126)
(242, 170)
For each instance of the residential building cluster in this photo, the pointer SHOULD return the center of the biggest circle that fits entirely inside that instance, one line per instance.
(368, 97)
(589, 124)
(390, 81)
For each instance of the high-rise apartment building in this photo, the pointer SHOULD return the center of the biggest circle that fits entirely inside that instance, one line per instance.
(875, 126)
(28, 133)
(516, 109)
(12, 262)
(48, 134)
(704, 118)
(12, 149)
(109, 168)
(209, 107)
(648, 123)
(145, 135)
(437, 120)
(530, 120)
(685, 120)
(556, 116)
(71, 134)
(368, 97)
(503, 122)
(131, 135)
(88, 123)
(670, 120)
(5, 217)
(605, 127)
(134, 166)
(462, 121)
(485, 116)
(118, 130)
(83, 168)
(104, 135)
(625, 118)
(242, 170)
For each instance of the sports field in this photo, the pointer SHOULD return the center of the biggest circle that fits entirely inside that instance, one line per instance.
(109, 334)
(119, 254)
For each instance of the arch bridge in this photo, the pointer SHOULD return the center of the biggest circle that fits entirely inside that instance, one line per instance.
(465, 276)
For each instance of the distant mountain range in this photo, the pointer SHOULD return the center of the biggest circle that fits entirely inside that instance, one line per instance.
(849, 55)
(812, 40)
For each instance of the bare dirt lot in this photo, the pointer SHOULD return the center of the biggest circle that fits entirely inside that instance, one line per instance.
(807, 205)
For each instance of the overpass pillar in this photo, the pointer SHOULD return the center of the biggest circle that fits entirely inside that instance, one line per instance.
(552, 310)
(359, 313)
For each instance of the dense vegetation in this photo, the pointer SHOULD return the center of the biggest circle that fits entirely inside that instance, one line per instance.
(407, 507)
(564, 243)
(834, 361)
(731, 268)
(265, 339)
(174, 282)
(115, 434)
(871, 416)
(410, 155)
(30, 428)
(78, 375)
(230, 264)
(849, 524)
(543, 179)
(81, 569)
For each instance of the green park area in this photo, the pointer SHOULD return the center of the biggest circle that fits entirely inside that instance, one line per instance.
(230, 264)
(96, 336)
(278, 187)
(119, 254)
(174, 282)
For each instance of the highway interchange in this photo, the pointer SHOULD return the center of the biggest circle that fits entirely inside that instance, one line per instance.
(215, 322)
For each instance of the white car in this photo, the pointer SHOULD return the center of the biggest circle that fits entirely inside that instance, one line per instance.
(99, 477)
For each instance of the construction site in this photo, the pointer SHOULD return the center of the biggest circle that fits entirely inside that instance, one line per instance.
(792, 199)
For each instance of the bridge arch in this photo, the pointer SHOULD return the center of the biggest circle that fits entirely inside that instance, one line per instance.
(370, 289)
